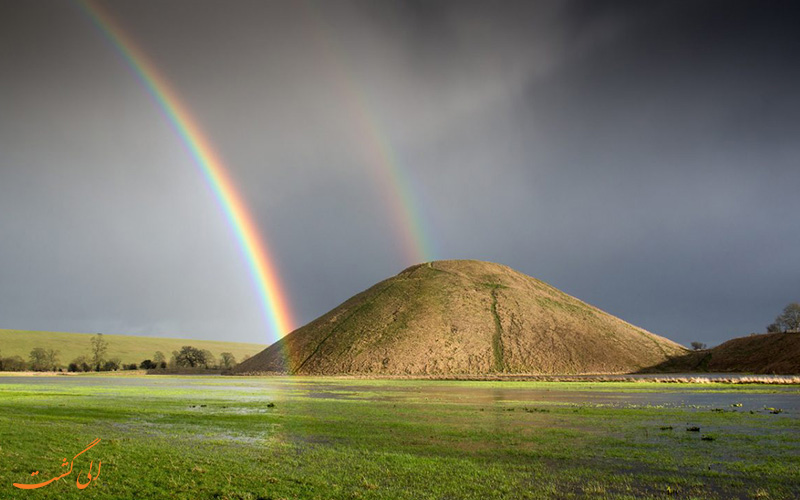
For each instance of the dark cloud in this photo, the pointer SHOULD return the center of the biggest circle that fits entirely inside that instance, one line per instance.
(638, 155)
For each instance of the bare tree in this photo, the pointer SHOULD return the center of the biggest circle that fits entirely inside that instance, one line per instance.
(99, 348)
(43, 359)
(210, 359)
(788, 320)
(226, 360)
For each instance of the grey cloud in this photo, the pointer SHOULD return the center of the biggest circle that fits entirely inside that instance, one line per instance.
(639, 155)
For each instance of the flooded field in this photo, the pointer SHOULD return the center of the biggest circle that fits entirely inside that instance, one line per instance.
(624, 394)
(241, 437)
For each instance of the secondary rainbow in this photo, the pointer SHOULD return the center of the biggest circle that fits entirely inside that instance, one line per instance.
(263, 270)
(395, 182)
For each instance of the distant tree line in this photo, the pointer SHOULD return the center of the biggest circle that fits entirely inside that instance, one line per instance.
(188, 357)
(13, 364)
(39, 360)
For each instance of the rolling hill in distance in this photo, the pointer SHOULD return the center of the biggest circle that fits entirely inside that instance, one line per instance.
(765, 353)
(128, 348)
(464, 317)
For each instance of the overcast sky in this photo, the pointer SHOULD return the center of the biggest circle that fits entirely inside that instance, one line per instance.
(641, 156)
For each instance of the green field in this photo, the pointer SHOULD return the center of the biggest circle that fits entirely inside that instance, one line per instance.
(128, 348)
(251, 438)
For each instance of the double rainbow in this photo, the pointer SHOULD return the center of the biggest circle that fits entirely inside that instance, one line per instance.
(262, 265)
(395, 184)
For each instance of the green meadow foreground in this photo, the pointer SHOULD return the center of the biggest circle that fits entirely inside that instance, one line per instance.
(229, 437)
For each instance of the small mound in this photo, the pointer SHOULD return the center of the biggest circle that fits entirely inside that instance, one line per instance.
(464, 317)
(777, 353)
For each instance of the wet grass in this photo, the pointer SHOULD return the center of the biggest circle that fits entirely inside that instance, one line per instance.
(225, 437)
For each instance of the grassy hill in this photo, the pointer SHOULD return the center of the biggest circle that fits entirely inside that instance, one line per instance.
(128, 348)
(464, 317)
(767, 353)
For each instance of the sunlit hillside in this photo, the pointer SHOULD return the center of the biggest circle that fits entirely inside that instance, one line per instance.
(128, 348)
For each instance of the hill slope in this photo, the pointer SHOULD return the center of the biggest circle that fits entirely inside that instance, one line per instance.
(777, 353)
(766, 353)
(128, 348)
(463, 317)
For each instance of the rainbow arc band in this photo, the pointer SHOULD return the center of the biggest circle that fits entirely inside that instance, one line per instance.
(394, 181)
(262, 265)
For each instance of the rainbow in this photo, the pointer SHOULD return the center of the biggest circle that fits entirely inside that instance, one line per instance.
(395, 183)
(262, 265)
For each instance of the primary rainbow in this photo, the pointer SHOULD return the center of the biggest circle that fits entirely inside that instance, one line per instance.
(262, 266)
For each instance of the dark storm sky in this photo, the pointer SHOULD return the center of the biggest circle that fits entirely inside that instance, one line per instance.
(642, 156)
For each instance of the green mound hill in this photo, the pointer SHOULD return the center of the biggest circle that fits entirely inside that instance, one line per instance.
(464, 317)
(128, 348)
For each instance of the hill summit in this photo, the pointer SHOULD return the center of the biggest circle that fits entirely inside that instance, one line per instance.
(463, 317)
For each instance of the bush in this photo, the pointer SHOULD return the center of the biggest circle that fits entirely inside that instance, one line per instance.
(148, 365)
(13, 364)
(131, 366)
(111, 365)
(80, 364)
